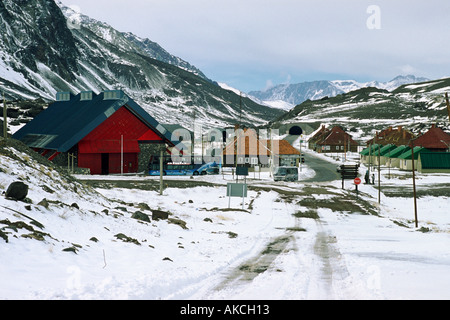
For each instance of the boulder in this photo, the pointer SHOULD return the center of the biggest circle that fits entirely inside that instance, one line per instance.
(140, 216)
(158, 214)
(17, 191)
(44, 203)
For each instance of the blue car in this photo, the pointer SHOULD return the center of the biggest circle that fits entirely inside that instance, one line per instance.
(208, 168)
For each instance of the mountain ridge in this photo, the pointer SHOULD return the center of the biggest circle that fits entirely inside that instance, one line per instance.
(367, 110)
(44, 52)
(294, 94)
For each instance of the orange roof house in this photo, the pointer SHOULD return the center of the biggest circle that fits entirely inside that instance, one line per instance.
(250, 151)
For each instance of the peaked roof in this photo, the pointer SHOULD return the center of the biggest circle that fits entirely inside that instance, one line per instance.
(398, 151)
(319, 134)
(399, 136)
(66, 122)
(369, 150)
(384, 150)
(334, 136)
(433, 138)
(407, 155)
(284, 147)
(249, 144)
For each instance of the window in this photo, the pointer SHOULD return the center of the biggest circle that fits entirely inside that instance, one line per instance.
(240, 160)
(63, 96)
(86, 96)
(111, 95)
(109, 112)
(255, 161)
(38, 140)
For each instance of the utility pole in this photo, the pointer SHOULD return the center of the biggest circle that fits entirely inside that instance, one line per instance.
(370, 159)
(414, 183)
(5, 118)
(379, 175)
(161, 169)
(240, 109)
(448, 105)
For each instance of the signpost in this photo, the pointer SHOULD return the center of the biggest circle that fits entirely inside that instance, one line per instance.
(357, 182)
(348, 172)
(236, 190)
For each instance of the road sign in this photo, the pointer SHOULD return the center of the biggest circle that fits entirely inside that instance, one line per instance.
(242, 171)
(357, 181)
(349, 172)
(236, 190)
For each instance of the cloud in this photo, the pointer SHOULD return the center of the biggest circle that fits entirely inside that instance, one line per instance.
(254, 40)
(269, 85)
(407, 69)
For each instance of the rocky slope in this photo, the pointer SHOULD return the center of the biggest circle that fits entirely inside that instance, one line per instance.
(43, 52)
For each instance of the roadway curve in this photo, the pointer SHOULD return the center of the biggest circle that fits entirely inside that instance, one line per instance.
(325, 171)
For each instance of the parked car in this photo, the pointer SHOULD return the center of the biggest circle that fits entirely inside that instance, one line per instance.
(286, 174)
(208, 168)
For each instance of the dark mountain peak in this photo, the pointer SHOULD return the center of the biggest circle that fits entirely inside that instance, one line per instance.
(35, 32)
(46, 47)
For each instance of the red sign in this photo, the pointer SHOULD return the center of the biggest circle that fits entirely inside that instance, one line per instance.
(357, 181)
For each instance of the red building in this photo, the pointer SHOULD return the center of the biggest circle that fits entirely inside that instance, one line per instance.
(105, 132)
(399, 137)
(435, 139)
(334, 140)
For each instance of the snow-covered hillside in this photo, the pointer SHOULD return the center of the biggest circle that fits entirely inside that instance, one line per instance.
(364, 111)
(86, 243)
(43, 52)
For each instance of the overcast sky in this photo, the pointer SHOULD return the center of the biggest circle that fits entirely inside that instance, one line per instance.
(253, 44)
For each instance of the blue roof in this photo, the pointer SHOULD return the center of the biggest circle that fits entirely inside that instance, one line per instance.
(64, 123)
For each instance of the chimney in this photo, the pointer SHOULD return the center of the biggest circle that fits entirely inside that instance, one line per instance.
(400, 128)
(64, 96)
(86, 96)
(113, 95)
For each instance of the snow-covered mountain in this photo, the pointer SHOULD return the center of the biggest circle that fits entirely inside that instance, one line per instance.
(367, 110)
(294, 94)
(46, 47)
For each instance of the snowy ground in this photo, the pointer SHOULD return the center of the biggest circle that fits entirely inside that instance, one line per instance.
(275, 249)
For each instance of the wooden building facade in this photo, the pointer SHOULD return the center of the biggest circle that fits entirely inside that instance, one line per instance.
(105, 133)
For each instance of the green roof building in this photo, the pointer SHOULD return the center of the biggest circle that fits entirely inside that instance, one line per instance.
(406, 158)
(434, 162)
(367, 154)
(395, 153)
(383, 153)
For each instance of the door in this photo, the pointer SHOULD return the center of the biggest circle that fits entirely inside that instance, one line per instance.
(105, 163)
